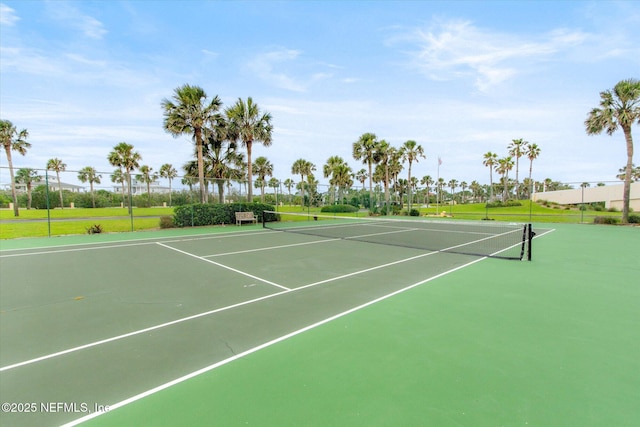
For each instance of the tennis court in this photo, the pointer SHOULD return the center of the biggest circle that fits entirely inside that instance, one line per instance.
(247, 326)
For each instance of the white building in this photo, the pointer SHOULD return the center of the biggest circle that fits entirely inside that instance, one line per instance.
(611, 195)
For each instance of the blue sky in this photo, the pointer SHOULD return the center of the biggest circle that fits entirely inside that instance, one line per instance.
(460, 77)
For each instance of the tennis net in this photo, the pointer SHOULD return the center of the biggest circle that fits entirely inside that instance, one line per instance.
(498, 240)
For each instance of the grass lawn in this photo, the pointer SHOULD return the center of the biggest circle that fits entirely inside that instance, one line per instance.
(33, 223)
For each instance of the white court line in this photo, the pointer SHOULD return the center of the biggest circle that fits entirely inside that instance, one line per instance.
(268, 248)
(125, 243)
(195, 316)
(260, 347)
(224, 266)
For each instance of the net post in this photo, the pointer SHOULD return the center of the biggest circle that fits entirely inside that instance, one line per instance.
(530, 235)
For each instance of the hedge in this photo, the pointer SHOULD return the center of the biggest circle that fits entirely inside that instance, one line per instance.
(197, 215)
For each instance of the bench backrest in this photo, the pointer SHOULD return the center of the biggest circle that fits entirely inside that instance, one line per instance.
(244, 215)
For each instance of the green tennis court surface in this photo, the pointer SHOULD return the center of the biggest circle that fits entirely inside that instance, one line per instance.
(260, 327)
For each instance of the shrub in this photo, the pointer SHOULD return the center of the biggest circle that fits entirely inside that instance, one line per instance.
(634, 219)
(166, 221)
(500, 204)
(605, 220)
(612, 210)
(95, 229)
(339, 209)
(215, 214)
(414, 212)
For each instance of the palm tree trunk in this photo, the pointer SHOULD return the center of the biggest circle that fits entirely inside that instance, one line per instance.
(203, 189)
(13, 181)
(627, 174)
(249, 172)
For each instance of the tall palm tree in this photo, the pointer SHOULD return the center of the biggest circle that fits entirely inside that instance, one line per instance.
(58, 166)
(382, 157)
(303, 168)
(411, 152)
(289, 184)
(249, 125)
(365, 149)
(118, 177)
(147, 176)
(167, 171)
(427, 181)
(342, 177)
(532, 151)
(189, 113)
(503, 167)
(89, 174)
(123, 157)
(516, 150)
(27, 176)
(12, 140)
(490, 161)
(635, 173)
(452, 185)
(464, 186)
(330, 167)
(619, 108)
(263, 168)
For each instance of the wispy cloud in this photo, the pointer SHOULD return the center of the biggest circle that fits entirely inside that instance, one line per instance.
(74, 18)
(282, 68)
(456, 49)
(8, 15)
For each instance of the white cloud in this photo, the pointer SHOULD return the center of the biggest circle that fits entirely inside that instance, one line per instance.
(285, 69)
(74, 18)
(8, 15)
(458, 49)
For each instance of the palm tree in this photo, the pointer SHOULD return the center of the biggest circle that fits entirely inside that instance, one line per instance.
(89, 174)
(427, 181)
(411, 152)
(464, 186)
(263, 169)
(303, 168)
(249, 125)
(289, 184)
(503, 167)
(27, 176)
(169, 172)
(147, 176)
(117, 177)
(516, 150)
(365, 149)
(58, 166)
(12, 140)
(618, 108)
(532, 152)
(189, 113)
(329, 168)
(123, 157)
(490, 161)
(382, 157)
(274, 183)
(452, 185)
(476, 190)
(341, 177)
(635, 173)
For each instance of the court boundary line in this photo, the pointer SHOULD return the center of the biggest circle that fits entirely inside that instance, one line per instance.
(262, 346)
(220, 309)
(131, 242)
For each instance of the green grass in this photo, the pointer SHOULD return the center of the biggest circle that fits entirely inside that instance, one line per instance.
(83, 213)
(115, 220)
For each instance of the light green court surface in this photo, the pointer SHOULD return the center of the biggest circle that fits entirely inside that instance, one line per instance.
(552, 342)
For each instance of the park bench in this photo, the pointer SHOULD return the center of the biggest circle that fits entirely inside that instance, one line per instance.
(245, 216)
